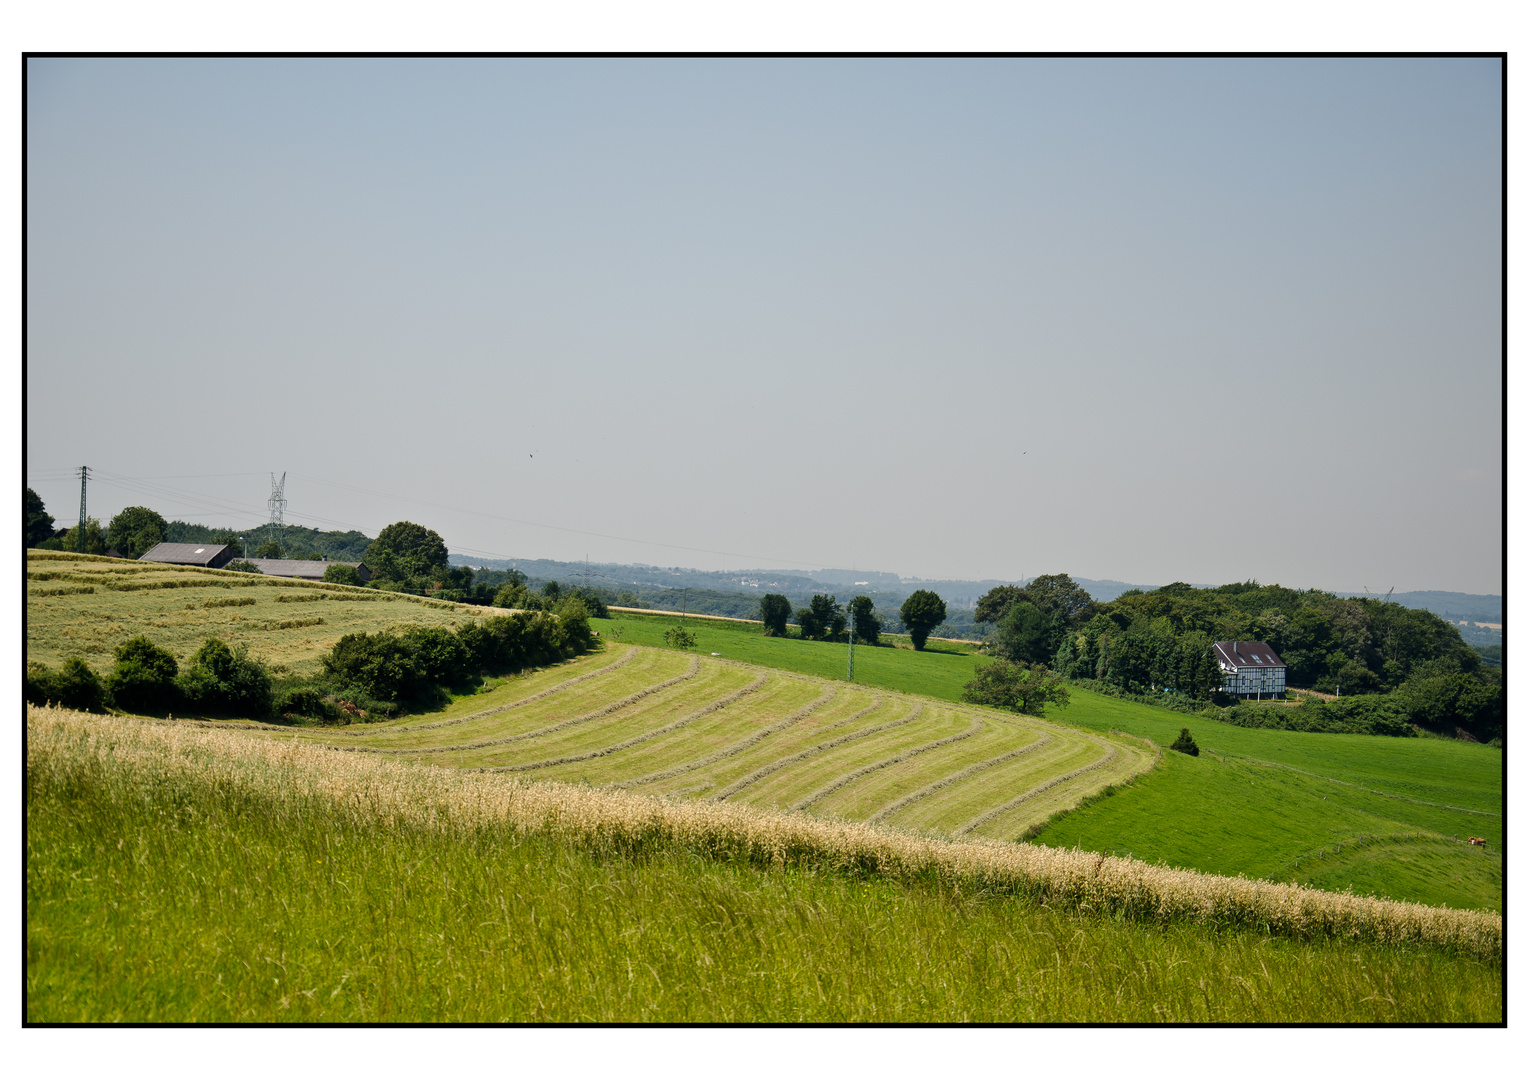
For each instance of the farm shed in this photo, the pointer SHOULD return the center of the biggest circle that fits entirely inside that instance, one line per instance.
(1251, 668)
(209, 555)
(310, 569)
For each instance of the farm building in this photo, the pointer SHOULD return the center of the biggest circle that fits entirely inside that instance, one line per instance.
(209, 555)
(311, 569)
(1251, 668)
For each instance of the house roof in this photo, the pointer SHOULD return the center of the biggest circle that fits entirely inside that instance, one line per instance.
(184, 554)
(303, 568)
(1247, 654)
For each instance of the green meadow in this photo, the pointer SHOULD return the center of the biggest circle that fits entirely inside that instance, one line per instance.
(940, 670)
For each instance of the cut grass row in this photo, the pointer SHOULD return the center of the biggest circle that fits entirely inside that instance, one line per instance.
(1255, 802)
(669, 723)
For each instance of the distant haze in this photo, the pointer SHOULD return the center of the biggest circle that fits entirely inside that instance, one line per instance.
(1140, 320)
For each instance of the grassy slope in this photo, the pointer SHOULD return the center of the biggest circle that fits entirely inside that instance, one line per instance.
(91, 625)
(150, 902)
(790, 742)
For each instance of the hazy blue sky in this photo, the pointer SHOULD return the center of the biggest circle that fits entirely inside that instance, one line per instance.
(1146, 320)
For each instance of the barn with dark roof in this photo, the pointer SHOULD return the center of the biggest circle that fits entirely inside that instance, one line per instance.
(208, 555)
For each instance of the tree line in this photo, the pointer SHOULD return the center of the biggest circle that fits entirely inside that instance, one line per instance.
(1159, 643)
(823, 618)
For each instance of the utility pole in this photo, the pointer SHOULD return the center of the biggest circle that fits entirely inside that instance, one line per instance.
(851, 675)
(84, 475)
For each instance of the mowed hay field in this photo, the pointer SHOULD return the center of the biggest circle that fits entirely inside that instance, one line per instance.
(1381, 816)
(662, 722)
(87, 605)
(176, 873)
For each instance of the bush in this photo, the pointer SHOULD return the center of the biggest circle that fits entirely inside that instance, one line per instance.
(306, 702)
(1185, 743)
(74, 687)
(340, 574)
(379, 665)
(243, 566)
(144, 679)
(227, 681)
(677, 637)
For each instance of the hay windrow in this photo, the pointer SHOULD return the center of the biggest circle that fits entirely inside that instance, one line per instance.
(294, 780)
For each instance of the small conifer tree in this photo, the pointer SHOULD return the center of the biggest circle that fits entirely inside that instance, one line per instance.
(1185, 743)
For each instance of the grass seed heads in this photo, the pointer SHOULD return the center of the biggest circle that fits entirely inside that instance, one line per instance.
(299, 780)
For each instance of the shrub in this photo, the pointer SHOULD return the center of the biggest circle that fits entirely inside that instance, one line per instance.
(380, 665)
(224, 680)
(677, 637)
(144, 679)
(1185, 743)
(243, 566)
(75, 686)
(340, 574)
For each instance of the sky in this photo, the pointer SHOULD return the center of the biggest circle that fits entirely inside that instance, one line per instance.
(1147, 320)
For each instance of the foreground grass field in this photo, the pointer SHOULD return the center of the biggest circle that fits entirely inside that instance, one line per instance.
(175, 874)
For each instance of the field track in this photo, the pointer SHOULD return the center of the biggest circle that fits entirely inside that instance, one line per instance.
(660, 722)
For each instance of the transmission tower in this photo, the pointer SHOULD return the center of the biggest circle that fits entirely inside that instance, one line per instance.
(84, 475)
(278, 504)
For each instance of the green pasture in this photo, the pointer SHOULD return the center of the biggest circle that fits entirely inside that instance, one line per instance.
(193, 902)
(1280, 804)
(940, 670)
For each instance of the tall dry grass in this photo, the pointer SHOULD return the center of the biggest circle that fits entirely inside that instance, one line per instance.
(296, 781)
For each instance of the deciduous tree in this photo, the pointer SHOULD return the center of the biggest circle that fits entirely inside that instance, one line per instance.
(404, 550)
(774, 611)
(135, 530)
(1024, 688)
(37, 522)
(921, 613)
(867, 622)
